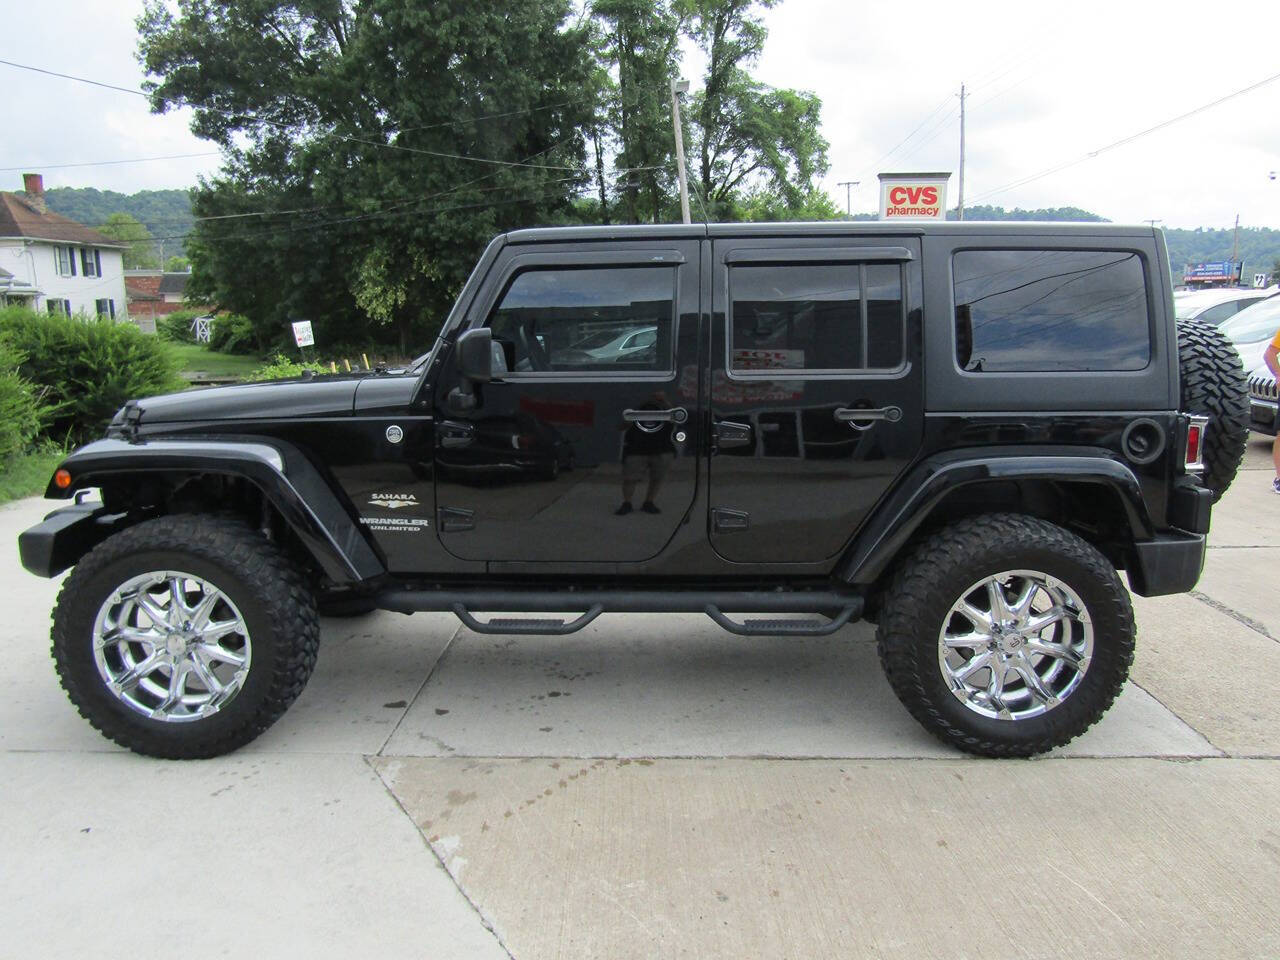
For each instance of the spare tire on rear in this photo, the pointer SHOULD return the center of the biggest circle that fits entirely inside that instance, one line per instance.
(1214, 386)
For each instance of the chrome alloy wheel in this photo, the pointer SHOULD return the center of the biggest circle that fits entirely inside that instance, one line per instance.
(1015, 645)
(171, 646)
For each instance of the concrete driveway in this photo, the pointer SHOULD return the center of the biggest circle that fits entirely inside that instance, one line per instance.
(652, 787)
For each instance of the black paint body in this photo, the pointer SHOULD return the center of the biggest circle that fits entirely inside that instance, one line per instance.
(765, 485)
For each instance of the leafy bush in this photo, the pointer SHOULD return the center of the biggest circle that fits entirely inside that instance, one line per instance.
(88, 367)
(283, 368)
(22, 413)
(176, 327)
(233, 333)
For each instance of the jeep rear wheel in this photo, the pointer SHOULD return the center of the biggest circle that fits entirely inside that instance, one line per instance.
(1214, 385)
(185, 636)
(1005, 635)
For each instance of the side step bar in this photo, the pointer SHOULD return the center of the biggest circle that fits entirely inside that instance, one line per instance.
(839, 607)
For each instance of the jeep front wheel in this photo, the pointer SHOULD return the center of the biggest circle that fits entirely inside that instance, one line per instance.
(1005, 635)
(184, 636)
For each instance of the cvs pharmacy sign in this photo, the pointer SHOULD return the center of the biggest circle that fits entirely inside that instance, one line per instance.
(913, 196)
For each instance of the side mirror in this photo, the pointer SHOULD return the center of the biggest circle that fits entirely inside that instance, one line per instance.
(475, 355)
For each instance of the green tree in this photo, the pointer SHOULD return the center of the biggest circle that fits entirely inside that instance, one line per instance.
(141, 252)
(346, 194)
(639, 41)
(177, 265)
(747, 135)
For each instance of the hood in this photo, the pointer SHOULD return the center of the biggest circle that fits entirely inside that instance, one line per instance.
(271, 400)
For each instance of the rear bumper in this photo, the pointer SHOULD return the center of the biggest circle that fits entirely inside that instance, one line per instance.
(64, 537)
(1171, 563)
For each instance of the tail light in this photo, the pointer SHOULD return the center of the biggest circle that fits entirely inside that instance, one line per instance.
(1192, 459)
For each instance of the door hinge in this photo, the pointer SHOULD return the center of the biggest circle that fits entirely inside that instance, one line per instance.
(724, 520)
(455, 519)
(730, 434)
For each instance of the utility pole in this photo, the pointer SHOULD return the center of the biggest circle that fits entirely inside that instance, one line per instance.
(848, 195)
(960, 205)
(1153, 221)
(678, 87)
(1235, 244)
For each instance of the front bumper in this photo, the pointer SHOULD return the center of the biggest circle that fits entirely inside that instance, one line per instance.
(65, 536)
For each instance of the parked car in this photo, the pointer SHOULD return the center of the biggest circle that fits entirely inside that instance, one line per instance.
(921, 425)
(1219, 305)
(1263, 401)
(1252, 329)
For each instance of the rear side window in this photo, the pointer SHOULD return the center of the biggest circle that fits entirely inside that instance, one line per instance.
(1050, 310)
(837, 316)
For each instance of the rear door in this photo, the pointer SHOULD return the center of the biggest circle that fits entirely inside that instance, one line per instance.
(584, 450)
(816, 390)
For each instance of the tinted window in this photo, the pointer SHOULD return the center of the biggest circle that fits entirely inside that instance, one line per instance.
(843, 316)
(1043, 310)
(1222, 311)
(595, 319)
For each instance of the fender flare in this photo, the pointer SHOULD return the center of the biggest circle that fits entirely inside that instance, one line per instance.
(901, 515)
(288, 480)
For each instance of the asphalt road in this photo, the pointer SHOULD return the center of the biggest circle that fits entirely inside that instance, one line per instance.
(652, 787)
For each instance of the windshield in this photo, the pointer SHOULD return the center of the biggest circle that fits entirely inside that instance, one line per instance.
(1255, 323)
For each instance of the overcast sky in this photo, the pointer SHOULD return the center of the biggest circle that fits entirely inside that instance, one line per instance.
(1049, 84)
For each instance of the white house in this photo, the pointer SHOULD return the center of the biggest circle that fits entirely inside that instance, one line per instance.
(54, 264)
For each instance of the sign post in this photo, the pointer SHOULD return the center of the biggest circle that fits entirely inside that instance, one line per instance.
(303, 336)
(913, 196)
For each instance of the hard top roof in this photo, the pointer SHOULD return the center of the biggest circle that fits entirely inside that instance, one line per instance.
(835, 228)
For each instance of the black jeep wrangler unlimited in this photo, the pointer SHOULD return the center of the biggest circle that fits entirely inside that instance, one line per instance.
(959, 431)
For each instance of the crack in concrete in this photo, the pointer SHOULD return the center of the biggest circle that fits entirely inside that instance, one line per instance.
(418, 692)
(1235, 615)
(475, 907)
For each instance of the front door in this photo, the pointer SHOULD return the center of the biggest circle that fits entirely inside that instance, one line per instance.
(584, 448)
(816, 390)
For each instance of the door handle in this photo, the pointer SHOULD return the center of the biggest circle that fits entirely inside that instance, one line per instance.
(674, 415)
(454, 434)
(864, 419)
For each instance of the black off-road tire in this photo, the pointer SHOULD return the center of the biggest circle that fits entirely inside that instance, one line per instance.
(1214, 385)
(275, 601)
(936, 575)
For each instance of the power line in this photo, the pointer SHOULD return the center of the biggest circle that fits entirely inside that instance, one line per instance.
(106, 163)
(282, 125)
(1126, 140)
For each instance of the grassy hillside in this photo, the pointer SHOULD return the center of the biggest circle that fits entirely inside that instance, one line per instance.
(165, 213)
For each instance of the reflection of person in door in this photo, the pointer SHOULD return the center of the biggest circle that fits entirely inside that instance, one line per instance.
(647, 451)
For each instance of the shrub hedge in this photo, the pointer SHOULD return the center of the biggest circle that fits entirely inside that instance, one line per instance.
(86, 367)
(22, 412)
(282, 368)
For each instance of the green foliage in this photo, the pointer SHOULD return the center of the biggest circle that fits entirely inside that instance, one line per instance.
(27, 474)
(1059, 214)
(22, 413)
(768, 205)
(176, 327)
(639, 40)
(745, 134)
(141, 252)
(234, 333)
(164, 213)
(283, 368)
(87, 367)
(352, 116)
(177, 265)
(1259, 248)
